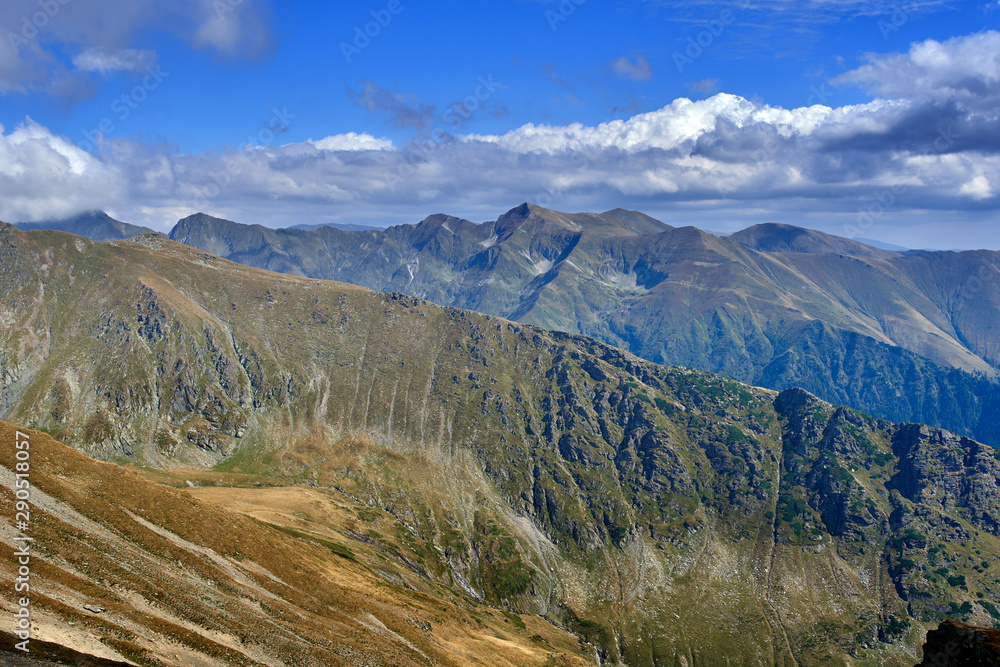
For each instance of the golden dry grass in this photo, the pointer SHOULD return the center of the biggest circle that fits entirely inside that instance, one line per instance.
(198, 578)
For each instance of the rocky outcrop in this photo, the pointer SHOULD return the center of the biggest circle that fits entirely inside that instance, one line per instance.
(946, 472)
(956, 644)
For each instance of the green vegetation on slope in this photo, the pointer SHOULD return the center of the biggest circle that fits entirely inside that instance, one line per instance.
(657, 511)
(904, 337)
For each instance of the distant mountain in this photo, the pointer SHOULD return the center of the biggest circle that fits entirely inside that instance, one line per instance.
(423, 482)
(884, 246)
(774, 237)
(904, 336)
(337, 225)
(96, 226)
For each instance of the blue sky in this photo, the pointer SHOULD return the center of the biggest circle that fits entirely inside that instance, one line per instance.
(862, 118)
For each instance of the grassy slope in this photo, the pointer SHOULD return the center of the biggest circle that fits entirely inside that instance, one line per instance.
(184, 582)
(657, 512)
(682, 296)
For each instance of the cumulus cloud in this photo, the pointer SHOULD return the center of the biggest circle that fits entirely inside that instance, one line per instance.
(671, 128)
(963, 69)
(640, 70)
(935, 147)
(943, 91)
(352, 141)
(44, 176)
(716, 152)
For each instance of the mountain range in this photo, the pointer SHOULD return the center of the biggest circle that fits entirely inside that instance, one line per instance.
(477, 474)
(905, 336)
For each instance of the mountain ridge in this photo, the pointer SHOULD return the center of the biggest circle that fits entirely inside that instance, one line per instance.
(686, 297)
(161, 576)
(653, 511)
(95, 225)
(776, 237)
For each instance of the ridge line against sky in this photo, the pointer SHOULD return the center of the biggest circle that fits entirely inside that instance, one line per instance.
(863, 119)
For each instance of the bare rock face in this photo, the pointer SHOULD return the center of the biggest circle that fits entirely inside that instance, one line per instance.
(956, 644)
(943, 471)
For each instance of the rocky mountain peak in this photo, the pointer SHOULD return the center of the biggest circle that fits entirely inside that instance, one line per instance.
(525, 213)
(617, 222)
(201, 219)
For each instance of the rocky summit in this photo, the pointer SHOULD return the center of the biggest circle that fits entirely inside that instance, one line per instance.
(494, 481)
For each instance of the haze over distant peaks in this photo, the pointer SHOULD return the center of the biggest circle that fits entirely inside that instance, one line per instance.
(336, 225)
(883, 245)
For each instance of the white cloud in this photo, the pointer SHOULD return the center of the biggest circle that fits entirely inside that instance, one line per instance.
(45, 176)
(960, 69)
(675, 126)
(352, 141)
(96, 59)
(717, 153)
(978, 188)
(722, 156)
